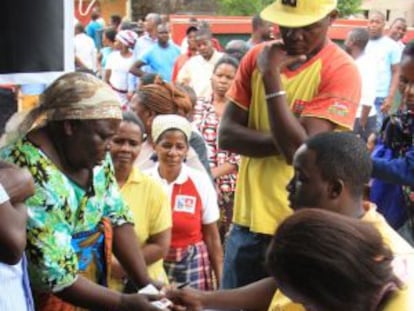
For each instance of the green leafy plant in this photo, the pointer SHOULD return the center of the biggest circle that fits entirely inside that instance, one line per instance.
(349, 7)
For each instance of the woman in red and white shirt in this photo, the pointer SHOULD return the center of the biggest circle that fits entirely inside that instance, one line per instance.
(195, 250)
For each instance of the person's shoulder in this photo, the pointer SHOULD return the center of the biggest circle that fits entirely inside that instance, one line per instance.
(174, 46)
(366, 63)
(255, 50)
(147, 178)
(335, 60)
(195, 175)
(114, 55)
(141, 40)
(88, 40)
(333, 52)
(249, 60)
(401, 300)
(390, 44)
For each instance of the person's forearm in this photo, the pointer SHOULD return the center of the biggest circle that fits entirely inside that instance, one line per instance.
(255, 296)
(215, 251)
(224, 169)
(107, 75)
(152, 253)
(79, 63)
(286, 130)
(127, 250)
(397, 171)
(364, 116)
(86, 294)
(136, 69)
(18, 183)
(12, 232)
(245, 141)
(394, 84)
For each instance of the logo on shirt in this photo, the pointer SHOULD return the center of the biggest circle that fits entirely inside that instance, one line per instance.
(339, 109)
(289, 3)
(298, 107)
(185, 204)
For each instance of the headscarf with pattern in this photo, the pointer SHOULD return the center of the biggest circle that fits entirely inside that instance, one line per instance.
(73, 96)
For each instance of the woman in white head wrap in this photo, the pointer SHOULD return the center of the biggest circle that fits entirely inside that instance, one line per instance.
(118, 64)
(195, 250)
(76, 213)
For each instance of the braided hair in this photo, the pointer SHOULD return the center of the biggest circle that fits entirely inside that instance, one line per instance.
(164, 98)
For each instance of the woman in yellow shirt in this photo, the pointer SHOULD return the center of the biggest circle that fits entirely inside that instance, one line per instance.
(145, 197)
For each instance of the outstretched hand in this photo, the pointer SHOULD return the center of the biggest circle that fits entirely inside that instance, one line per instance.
(274, 58)
(187, 299)
(131, 302)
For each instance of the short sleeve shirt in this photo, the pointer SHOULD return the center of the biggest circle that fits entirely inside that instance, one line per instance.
(326, 87)
(193, 199)
(151, 210)
(385, 53)
(58, 210)
(161, 60)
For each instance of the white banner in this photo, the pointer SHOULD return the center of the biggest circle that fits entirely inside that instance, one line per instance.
(36, 40)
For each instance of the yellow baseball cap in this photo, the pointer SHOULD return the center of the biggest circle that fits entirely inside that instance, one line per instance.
(297, 13)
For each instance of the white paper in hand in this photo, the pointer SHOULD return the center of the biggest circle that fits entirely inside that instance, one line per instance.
(149, 290)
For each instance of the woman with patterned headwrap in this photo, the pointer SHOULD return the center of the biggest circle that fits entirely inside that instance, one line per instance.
(76, 213)
(118, 64)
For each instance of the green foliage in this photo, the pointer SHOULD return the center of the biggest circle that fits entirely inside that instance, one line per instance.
(348, 7)
(242, 7)
(251, 7)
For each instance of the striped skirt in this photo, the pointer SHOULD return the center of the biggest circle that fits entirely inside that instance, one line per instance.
(190, 265)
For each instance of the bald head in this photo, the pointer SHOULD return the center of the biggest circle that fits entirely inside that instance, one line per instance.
(152, 20)
(237, 48)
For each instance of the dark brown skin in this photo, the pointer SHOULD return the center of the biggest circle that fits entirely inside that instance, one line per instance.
(19, 185)
(77, 147)
(287, 132)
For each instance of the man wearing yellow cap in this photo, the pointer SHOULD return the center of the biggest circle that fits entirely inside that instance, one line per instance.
(284, 92)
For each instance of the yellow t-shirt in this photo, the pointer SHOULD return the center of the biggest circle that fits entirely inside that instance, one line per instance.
(403, 252)
(325, 87)
(402, 300)
(151, 211)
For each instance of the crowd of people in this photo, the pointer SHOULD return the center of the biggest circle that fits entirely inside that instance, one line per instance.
(274, 174)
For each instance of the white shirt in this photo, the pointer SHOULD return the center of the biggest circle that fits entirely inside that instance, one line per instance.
(14, 288)
(386, 53)
(184, 46)
(119, 67)
(85, 50)
(197, 72)
(203, 185)
(367, 70)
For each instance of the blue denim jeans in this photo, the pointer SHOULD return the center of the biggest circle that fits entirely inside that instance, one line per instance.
(244, 258)
(380, 116)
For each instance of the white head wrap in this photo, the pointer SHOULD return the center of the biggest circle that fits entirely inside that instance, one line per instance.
(166, 122)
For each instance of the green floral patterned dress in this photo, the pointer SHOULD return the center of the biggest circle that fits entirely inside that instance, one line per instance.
(60, 210)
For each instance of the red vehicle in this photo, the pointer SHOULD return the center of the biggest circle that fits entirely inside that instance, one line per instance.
(228, 27)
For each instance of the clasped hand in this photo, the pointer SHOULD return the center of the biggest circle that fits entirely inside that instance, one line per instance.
(273, 58)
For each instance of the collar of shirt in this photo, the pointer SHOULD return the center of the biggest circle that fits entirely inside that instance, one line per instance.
(147, 37)
(181, 179)
(136, 176)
